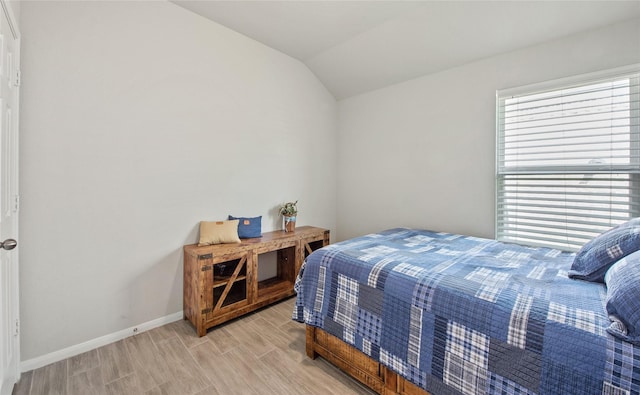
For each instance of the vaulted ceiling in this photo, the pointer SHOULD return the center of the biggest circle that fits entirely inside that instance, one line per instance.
(358, 46)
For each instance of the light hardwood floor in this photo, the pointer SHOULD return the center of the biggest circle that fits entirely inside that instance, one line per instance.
(262, 353)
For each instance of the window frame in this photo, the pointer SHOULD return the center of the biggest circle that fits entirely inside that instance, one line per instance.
(502, 173)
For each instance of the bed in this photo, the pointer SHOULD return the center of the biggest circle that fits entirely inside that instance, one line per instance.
(414, 311)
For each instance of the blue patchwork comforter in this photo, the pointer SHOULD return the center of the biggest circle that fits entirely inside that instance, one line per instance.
(463, 315)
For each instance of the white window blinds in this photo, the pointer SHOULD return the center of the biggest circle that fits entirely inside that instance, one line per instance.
(568, 159)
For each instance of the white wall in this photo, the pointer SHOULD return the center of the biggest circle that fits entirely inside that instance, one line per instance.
(138, 120)
(422, 153)
(14, 5)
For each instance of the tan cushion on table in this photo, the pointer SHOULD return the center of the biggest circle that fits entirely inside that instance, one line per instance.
(218, 232)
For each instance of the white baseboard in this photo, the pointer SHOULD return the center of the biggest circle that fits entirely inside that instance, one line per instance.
(68, 352)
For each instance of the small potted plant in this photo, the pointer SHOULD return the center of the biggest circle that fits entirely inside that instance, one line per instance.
(289, 211)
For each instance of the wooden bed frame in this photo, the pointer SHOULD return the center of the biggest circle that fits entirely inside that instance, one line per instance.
(357, 364)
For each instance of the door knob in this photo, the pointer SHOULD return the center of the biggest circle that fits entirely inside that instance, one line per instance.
(9, 244)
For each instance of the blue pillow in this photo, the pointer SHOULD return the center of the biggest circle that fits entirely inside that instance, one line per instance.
(248, 228)
(623, 298)
(596, 257)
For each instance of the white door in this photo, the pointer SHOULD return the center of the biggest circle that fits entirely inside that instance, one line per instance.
(9, 83)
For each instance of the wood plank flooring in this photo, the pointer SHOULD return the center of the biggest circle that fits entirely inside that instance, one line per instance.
(261, 353)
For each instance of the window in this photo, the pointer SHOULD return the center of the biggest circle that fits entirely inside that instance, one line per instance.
(568, 158)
